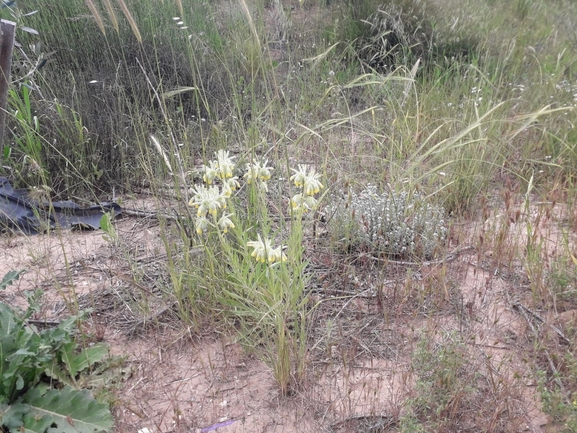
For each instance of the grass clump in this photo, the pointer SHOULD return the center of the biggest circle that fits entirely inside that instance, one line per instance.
(561, 283)
(399, 33)
(396, 225)
(561, 408)
(457, 390)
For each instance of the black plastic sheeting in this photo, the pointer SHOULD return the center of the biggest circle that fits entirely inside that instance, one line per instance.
(18, 211)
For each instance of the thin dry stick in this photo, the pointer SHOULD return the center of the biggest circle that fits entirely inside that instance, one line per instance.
(556, 378)
(448, 258)
(149, 214)
(538, 317)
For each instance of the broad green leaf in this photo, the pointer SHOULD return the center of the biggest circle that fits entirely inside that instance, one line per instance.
(13, 416)
(55, 371)
(63, 411)
(67, 353)
(9, 278)
(89, 356)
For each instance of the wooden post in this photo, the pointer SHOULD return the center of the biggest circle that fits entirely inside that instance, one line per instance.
(6, 46)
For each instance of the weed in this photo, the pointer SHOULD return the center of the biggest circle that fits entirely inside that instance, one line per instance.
(449, 382)
(34, 361)
(561, 408)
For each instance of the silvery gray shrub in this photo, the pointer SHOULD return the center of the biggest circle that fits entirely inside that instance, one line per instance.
(394, 224)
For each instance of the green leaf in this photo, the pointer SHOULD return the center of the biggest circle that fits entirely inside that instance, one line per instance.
(55, 371)
(9, 278)
(19, 383)
(108, 228)
(105, 222)
(13, 416)
(7, 152)
(62, 411)
(67, 353)
(77, 363)
(89, 356)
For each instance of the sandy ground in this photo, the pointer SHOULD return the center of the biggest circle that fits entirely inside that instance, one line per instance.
(362, 336)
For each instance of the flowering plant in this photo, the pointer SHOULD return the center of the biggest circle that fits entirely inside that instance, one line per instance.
(262, 284)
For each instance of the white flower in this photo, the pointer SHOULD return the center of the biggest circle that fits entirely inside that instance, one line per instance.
(276, 255)
(225, 223)
(225, 164)
(303, 203)
(210, 171)
(207, 200)
(300, 175)
(257, 171)
(201, 224)
(229, 185)
(263, 251)
(309, 181)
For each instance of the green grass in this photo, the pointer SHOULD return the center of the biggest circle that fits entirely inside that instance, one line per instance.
(475, 99)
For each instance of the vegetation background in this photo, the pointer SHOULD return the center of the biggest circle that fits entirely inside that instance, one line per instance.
(467, 106)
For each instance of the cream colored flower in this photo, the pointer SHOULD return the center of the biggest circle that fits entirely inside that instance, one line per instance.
(225, 222)
(207, 200)
(229, 185)
(303, 203)
(210, 172)
(307, 179)
(201, 224)
(225, 164)
(276, 255)
(264, 252)
(257, 171)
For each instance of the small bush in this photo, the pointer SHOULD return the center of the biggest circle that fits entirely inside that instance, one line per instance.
(398, 225)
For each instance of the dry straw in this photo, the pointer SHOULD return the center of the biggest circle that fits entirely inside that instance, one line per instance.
(108, 6)
(111, 14)
(130, 19)
(96, 15)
